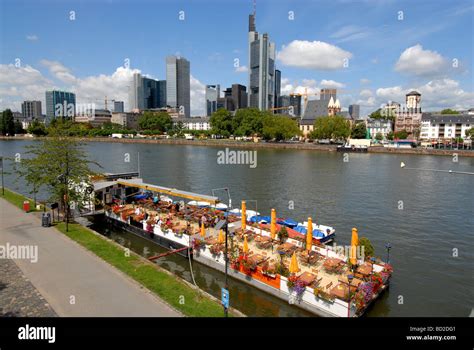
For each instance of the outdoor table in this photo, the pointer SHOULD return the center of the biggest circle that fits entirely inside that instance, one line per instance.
(355, 281)
(365, 269)
(307, 278)
(340, 291)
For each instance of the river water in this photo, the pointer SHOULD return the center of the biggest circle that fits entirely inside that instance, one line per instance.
(427, 217)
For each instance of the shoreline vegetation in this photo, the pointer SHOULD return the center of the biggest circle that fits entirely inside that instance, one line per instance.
(259, 145)
(178, 293)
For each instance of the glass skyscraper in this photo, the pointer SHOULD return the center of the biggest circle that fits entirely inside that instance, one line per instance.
(178, 84)
(147, 93)
(60, 104)
(261, 68)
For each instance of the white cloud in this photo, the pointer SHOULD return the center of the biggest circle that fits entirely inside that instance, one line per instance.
(416, 60)
(198, 97)
(365, 93)
(59, 71)
(313, 55)
(349, 33)
(241, 69)
(331, 84)
(32, 37)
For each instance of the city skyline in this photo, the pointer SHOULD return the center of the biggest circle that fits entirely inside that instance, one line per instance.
(426, 54)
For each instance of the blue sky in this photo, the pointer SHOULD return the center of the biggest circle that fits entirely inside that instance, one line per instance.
(84, 54)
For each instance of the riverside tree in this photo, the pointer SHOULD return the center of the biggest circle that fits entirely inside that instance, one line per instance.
(7, 123)
(60, 166)
(331, 127)
(279, 127)
(359, 131)
(157, 121)
(221, 123)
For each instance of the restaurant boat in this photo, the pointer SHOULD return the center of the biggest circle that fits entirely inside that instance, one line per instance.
(275, 256)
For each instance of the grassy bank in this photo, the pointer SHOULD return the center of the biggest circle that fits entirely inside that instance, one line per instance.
(188, 300)
(16, 199)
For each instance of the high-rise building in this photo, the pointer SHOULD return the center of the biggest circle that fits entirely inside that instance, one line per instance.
(147, 93)
(178, 84)
(326, 94)
(60, 104)
(31, 109)
(118, 106)
(261, 68)
(354, 111)
(212, 94)
(277, 87)
(234, 98)
(293, 101)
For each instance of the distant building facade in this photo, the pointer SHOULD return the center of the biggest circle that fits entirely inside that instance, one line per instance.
(212, 94)
(277, 88)
(195, 123)
(96, 117)
(439, 127)
(409, 118)
(118, 106)
(178, 84)
(290, 104)
(234, 98)
(146, 93)
(261, 68)
(60, 104)
(31, 109)
(354, 111)
(126, 120)
(379, 126)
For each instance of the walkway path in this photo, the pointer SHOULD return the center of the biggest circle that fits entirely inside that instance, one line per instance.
(73, 280)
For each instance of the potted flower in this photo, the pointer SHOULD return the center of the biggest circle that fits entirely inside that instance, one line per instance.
(291, 282)
(377, 281)
(215, 249)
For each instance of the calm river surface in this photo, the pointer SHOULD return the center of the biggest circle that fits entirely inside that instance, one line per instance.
(427, 217)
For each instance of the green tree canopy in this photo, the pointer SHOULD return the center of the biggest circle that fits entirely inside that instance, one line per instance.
(279, 127)
(401, 135)
(470, 133)
(449, 111)
(369, 250)
(331, 127)
(359, 131)
(379, 136)
(7, 123)
(60, 165)
(37, 128)
(248, 121)
(155, 121)
(221, 123)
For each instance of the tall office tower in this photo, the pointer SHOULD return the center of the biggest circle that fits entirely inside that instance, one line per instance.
(326, 94)
(277, 87)
(161, 94)
(295, 101)
(136, 93)
(212, 94)
(31, 109)
(261, 68)
(60, 104)
(118, 106)
(147, 93)
(178, 84)
(354, 111)
(239, 96)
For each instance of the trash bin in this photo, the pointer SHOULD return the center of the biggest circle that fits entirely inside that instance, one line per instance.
(46, 220)
(26, 206)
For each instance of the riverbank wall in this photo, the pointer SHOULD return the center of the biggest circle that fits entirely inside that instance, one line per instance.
(269, 145)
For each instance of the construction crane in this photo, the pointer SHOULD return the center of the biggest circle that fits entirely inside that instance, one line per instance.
(105, 101)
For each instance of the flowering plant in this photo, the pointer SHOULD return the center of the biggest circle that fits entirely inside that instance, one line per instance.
(377, 281)
(215, 249)
(364, 295)
(197, 244)
(299, 288)
(291, 283)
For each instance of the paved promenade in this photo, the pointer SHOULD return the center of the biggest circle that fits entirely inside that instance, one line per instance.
(74, 281)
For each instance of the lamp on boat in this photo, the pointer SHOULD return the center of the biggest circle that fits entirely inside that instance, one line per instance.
(203, 230)
(220, 239)
(273, 224)
(309, 234)
(294, 268)
(246, 245)
(244, 216)
(354, 244)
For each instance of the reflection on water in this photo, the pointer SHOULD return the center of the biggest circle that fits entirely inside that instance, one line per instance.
(437, 214)
(244, 298)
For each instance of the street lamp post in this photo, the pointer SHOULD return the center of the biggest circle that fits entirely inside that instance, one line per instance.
(349, 279)
(388, 246)
(226, 255)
